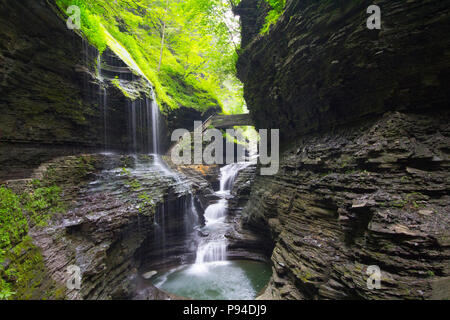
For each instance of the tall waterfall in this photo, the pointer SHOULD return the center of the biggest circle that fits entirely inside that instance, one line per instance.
(103, 97)
(155, 121)
(133, 126)
(176, 215)
(143, 126)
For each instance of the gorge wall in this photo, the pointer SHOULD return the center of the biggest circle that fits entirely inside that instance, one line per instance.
(52, 92)
(62, 105)
(363, 119)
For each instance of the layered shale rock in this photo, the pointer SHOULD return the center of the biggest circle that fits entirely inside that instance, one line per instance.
(320, 65)
(372, 194)
(58, 95)
(43, 76)
(112, 211)
(244, 243)
(363, 118)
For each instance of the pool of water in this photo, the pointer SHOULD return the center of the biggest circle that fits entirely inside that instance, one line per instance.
(223, 280)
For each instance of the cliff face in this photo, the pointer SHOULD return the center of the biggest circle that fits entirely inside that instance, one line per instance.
(108, 226)
(363, 174)
(50, 98)
(58, 98)
(44, 70)
(320, 66)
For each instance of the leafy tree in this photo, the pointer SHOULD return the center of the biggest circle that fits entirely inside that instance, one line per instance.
(187, 49)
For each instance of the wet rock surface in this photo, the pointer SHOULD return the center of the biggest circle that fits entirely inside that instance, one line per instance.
(245, 243)
(363, 121)
(59, 97)
(376, 193)
(45, 76)
(112, 209)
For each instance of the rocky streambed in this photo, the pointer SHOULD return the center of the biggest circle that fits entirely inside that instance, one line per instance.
(129, 218)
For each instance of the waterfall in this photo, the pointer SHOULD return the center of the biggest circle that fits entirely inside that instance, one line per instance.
(154, 108)
(214, 249)
(229, 173)
(133, 126)
(213, 246)
(190, 214)
(103, 97)
(155, 121)
(149, 124)
(105, 118)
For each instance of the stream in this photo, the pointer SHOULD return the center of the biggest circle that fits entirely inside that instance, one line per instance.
(212, 276)
(192, 256)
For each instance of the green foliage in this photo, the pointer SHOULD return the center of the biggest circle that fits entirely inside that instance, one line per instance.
(198, 51)
(89, 21)
(5, 290)
(126, 172)
(21, 263)
(274, 14)
(146, 203)
(13, 224)
(42, 203)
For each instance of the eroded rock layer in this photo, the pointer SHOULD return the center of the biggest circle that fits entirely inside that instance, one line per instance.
(372, 194)
(363, 118)
(320, 65)
(114, 208)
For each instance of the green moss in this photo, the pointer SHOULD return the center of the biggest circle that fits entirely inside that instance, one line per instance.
(303, 275)
(147, 205)
(74, 171)
(22, 270)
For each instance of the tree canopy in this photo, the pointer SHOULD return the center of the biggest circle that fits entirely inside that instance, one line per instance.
(186, 48)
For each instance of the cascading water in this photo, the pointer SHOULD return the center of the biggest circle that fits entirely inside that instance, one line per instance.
(133, 127)
(103, 97)
(148, 115)
(213, 247)
(212, 276)
(177, 237)
(229, 174)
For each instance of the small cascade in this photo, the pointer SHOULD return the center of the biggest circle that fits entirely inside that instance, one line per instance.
(144, 126)
(190, 214)
(229, 174)
(213, 246)
(160, 229)
(216, 212)
(85, 62)
(149, 123)
(213, 251)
